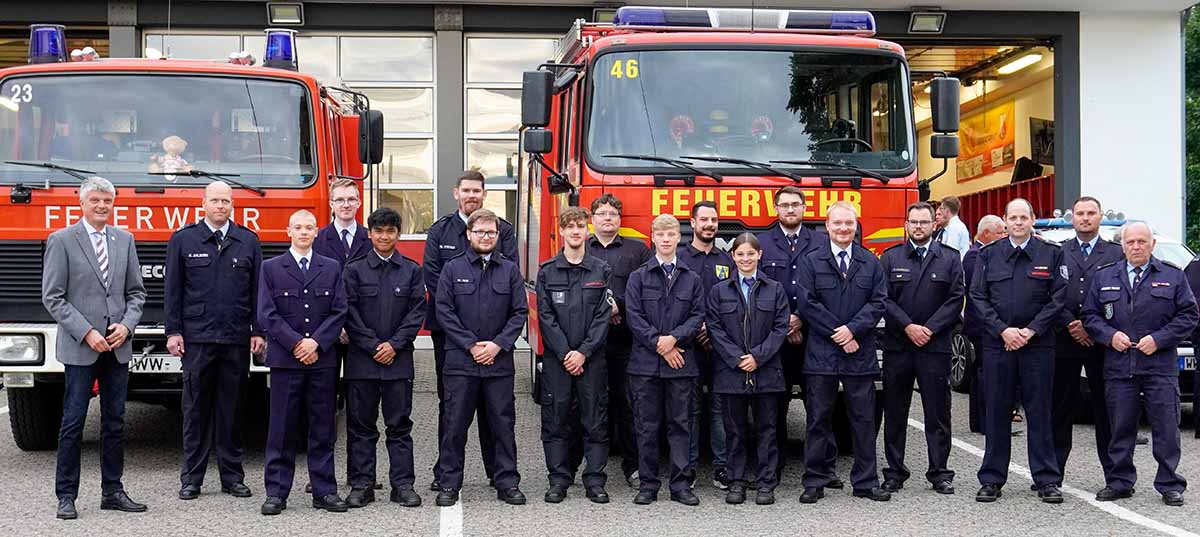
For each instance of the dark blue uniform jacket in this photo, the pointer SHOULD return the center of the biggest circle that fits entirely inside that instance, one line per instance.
(445, 240)
(756, 327)
(387, 303)
(828, 301)
(573, 309)
(927, 292)
(293, 306)
(475, 305)
(210, 295)
(658, 307)
(1019, 288)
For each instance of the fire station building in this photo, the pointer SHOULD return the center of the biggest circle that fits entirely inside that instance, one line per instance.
(1087, 94)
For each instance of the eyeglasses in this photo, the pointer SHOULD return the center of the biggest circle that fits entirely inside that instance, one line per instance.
(486, 234)
(920, 222)
(793, 205)
(608, 214)
(345, 201)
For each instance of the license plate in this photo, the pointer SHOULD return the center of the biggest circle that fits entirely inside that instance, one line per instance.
(155, 363)
(1187, 363)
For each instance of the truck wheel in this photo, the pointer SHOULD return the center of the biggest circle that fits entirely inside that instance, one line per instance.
(36, 416)
(962, 363)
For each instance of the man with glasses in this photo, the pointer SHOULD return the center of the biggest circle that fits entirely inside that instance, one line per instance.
(446, 239)
(481, 307)
(923, 307)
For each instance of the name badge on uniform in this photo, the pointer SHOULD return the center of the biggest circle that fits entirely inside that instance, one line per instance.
(462, 280)
(1108, 310)
(1160, 284)
(447, 247)
(198, 254)
(1113, 288)
(721, 271)
(559, 297)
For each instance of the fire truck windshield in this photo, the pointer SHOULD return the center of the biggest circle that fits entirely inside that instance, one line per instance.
(128, 127)
(758, 105)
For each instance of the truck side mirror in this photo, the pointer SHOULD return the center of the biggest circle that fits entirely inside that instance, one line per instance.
(536, 87)
(538, 141)
(943, 146)
(945, 104)
(370, 137)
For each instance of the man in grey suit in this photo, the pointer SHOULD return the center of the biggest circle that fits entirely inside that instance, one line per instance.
(92, 286)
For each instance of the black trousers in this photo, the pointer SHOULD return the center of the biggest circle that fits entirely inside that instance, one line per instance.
(931, 371)
(1070, 359)
(621, 434)
(975, 396)
(294, 393)
(859, 392)
(486, 441)
(663, 403)
(1160, 397)
(738, 431)
(568, 401)
(113, 378)
(214, 379)
(363, 399)
(462, 399)
(1028, 372)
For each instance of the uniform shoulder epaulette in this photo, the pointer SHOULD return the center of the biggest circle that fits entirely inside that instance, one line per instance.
(894, 246)
(951, 248)
(409, 259)
(1165, 262)
(246, 229)
(989, 245)
(192, 225)
(357, 257)
(1048, 242)
(547, 262)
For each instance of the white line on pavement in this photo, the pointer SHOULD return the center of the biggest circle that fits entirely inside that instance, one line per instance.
(451, 521)
(1108, 507)
(3, 410)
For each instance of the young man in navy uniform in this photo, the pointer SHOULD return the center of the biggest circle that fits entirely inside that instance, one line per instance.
(665, 309)
(713, 265)
(574, 308)
(210, 292)
(302, 307)
(1141, 309)
(747, 319)
(623, 255)
(481, 307)
(386, 296)
(1074, 349)
(843, 290)
(446, 239)
(1017, 294)
(924, 306)
(343, 239)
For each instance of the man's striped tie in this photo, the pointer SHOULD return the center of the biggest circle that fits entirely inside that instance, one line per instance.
(101, 255)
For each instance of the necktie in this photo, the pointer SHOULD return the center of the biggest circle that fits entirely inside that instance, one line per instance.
(1137, 277)
(346, 239)
(101, 254)
(1087, 248)
(668, 268)
(747, 285)
(304, 265)
(791, 238)
(921, 252)
(219, 238)
(843, 263)
(485, 262)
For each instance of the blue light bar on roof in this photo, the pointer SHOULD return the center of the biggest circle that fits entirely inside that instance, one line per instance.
(800, 21)
(281, 49)
(47, 43)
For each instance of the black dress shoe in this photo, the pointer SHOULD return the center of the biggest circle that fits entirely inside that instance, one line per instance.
(943, 487)
(1173, 498)
(189, 492)
(332, 503)
(812, 494)
(435, 486)
(1108, 494)
(988, 493)
(360, 498)
(66, 509)
(555, 494)
(736, 494)
(237, 490)
(764, 497)
(446, 497)
(597, 494)
(835, 483)
(892, 485)
(876, 494)
(119, 501)
(685, 497)
(274, 506)
(406, 497)
(646, 497)
(512, 496)
(1050, 494)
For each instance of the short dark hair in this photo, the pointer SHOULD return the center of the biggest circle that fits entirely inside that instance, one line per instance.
(789, 190)
(1088, 198)
(384, 217)
(745, 238)
(606, 199)
(920, 205)
(573, 214)
(952, 204)
(706, 203)
(483, 215)
(471, 175)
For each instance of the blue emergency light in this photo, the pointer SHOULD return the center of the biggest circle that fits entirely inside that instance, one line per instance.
(47, 43)
(281, 49)
(800, 21)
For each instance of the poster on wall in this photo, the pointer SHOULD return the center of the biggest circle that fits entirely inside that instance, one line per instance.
(988, 141)
(1041, 140)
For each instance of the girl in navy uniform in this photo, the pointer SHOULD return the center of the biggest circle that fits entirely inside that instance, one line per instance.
(747, 319)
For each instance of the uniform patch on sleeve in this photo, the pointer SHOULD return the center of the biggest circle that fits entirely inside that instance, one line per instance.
(721, 271)
(1064, 272)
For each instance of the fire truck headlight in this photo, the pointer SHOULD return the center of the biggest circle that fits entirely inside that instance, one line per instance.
(16, 349)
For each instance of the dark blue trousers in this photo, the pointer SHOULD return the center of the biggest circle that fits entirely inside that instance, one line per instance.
(1032, 370)
(662, 403)
(363, 399)
(213, 379)
(859, 392)
(461, 399)
(294, 393)
(486, 442)
(930, 370)
(1070, 359)
(570, 403)
(739, 430)
(1161, 402)
(621, 434)
(114, 381)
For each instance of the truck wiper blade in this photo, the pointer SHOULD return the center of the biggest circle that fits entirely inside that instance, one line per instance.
(818, 163)
(674, 162)
(222, 176)
(73, 172)
(749, 163)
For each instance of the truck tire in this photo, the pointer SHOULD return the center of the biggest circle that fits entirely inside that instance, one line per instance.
(36, 415)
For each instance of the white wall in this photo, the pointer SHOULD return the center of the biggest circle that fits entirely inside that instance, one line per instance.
(1131, 110)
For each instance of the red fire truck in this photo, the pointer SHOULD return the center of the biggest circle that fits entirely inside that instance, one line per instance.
(278, 136)
(665, 107)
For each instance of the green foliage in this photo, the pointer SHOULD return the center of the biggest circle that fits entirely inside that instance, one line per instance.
(1191, 74)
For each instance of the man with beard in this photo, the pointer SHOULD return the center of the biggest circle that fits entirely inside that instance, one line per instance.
(447, 238)
(713, 265)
